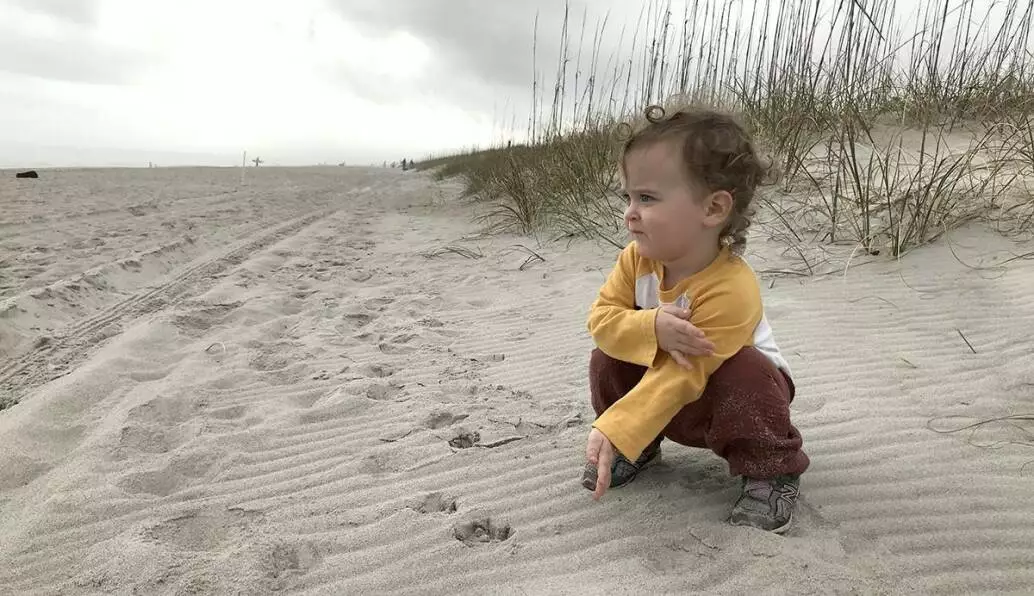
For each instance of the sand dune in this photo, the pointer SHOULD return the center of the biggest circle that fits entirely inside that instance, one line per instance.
(308, 396)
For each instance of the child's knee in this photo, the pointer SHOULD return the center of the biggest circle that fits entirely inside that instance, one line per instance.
(610, 379)
(602, 366)
(750, 372)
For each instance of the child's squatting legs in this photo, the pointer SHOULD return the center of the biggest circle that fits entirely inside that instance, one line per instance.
(743, 416)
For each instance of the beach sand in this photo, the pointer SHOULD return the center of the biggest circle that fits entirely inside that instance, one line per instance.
(326, 382)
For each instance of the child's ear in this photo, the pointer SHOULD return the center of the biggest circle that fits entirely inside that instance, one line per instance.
(719, 206)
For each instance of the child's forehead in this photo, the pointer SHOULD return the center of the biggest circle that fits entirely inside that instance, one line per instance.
(653, 163)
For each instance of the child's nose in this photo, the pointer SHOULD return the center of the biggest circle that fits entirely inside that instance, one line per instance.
(631, 213)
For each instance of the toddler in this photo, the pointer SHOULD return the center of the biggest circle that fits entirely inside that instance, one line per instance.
(683, 347)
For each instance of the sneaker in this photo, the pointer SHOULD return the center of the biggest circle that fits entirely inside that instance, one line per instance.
(767, 504)
(623, 471)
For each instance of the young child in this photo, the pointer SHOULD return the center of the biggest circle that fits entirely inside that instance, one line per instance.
(684, 350)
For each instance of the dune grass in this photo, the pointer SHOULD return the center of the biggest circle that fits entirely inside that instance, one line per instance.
(879, 136)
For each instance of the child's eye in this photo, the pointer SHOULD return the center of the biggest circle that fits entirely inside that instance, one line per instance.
(645, 198)
(626, 197)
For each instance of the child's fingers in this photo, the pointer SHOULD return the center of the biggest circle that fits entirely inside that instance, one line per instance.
(603, 473)
(689, 329)
(681, 359)
(595, 447)
(592, 450)
(671, 309)
(704, 347)
(696, 347)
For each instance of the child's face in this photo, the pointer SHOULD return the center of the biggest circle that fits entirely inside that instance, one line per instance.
(666, 215)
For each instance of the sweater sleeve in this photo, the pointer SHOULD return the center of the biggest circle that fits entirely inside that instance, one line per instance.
(619, 330)
(727, 313)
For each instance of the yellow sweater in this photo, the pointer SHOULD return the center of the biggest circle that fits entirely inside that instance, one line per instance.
(725, 303)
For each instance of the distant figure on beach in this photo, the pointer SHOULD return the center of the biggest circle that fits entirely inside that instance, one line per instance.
(27, 174)
(683, 347)
(404, 168)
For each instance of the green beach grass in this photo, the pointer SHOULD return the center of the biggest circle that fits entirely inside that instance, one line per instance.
(880, 135)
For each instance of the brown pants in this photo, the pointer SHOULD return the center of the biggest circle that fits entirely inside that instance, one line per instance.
(743, 415)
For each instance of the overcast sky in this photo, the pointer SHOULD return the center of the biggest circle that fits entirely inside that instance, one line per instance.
(106, 82)
(90, 82)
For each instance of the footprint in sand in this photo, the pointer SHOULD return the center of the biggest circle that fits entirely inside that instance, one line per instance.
(198, 321)
(162, 409)
(441, 419)
(154, 439)
(17, 470)
(481, 531)
(369, 337)
(379, 304)
(285, 558)
(391, 347)
(156, 482)
(203, 530)
(158, 426)
(150, 375)
(361, 245)
(184, 471)
(291, 375)
(306, 399)
(403, 338)
(269, 358)
(358, 320)
(229, 413)
(434, 503)
(382, 391)
(377, 370)
(465, 439)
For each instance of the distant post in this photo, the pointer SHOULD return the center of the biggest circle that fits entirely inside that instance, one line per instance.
(244, 163)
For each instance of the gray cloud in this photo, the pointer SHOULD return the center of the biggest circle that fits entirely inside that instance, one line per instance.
(487, 41)
(81, 12)
(76, 55)
(74, 58)
(481, 50)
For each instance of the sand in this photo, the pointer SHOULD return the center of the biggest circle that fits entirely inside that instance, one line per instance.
(290, 387)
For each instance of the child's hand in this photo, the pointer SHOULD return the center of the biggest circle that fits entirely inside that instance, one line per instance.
(678, 337)
(600, 453)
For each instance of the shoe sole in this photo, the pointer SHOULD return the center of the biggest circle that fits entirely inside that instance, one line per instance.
(785, 527)
(780, 530)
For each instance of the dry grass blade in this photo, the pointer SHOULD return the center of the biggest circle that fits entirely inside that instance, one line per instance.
(1011, 419)
(457, 250)
(533, 257)
(1023, 257)
(971, 348)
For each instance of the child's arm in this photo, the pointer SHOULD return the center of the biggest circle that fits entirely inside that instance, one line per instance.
(619, 330)
(727, 313)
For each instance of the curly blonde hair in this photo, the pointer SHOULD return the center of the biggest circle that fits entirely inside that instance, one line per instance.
(718, 153)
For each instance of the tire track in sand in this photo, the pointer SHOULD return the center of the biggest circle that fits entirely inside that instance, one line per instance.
(60, 354)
